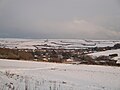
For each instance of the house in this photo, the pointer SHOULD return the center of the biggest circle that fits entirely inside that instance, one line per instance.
(69, 60)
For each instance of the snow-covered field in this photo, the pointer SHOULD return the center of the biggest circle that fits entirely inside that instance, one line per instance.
(28, 75)
(54, 43)
(107, 53)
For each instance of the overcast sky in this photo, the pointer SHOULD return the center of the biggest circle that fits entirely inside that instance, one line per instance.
(80, 19)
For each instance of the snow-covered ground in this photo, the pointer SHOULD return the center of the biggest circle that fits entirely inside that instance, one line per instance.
(107, 53)
(28, 75)
(54, 43)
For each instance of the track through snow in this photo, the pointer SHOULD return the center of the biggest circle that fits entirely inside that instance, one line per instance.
(28, 75)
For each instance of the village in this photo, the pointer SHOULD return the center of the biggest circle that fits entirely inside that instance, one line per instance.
(68, 56)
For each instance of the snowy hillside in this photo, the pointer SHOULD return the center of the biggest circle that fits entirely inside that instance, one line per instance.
(107, 53)
(54, 43)
(28, 75)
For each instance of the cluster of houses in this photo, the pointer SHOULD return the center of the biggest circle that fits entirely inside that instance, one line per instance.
(73, 56)
(57, 55)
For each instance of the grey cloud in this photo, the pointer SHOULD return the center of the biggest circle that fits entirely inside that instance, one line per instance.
(60, 19)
